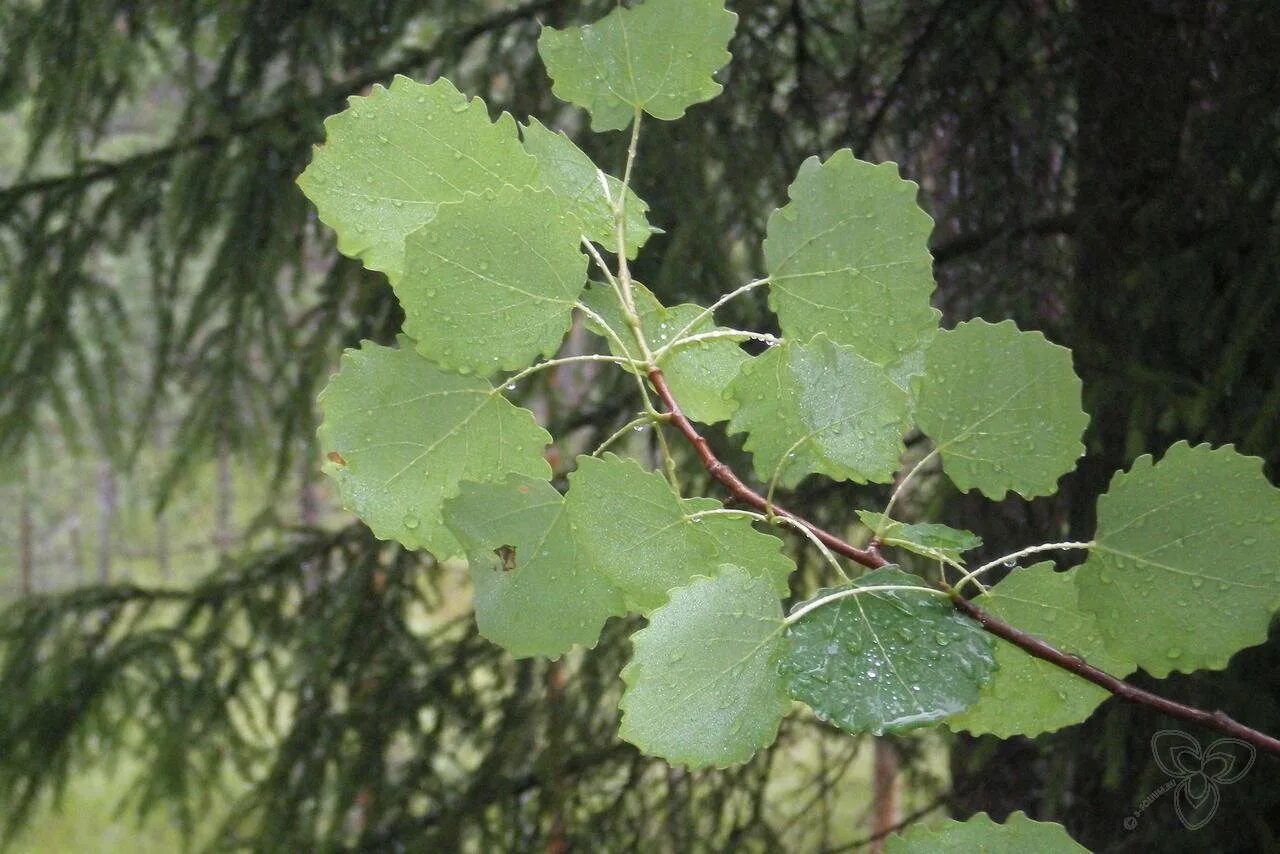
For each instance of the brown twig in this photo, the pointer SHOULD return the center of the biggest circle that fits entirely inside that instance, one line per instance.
(871, 559)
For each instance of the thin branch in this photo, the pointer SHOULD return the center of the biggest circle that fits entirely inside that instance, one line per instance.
(740, 490)
(1049, 225)
(1219, 721)
(1010, 559)
(708, 312)
(1034, 646)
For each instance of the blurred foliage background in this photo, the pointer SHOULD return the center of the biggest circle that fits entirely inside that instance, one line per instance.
(199, 648)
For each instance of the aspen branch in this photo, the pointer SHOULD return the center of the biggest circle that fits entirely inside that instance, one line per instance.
(872, 559)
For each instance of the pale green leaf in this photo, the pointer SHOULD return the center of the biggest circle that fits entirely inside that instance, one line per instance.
(568, 172)
(535, 590)
(849, 257)
(397, 154)
(886, 660)
(1186, 570)
(491, 281)
(1027, 696)
(401, 435)
(819, 408)
(703, 685)
(934, 541)
(1002, 407)
(634, 529)
(657, 56)
(699, 373)
(980, 835)
(737, 541)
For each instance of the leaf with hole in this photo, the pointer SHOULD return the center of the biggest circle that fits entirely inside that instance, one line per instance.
(490, 283)
(536, 592)
(401, 435)
(1186, 570)
(885, 660)
(657, 56)
(568, 172)
(395, 155)
(928, 539)
(819, 408)
(703, 685)
(1028, 696)
(1002, 407)
(848, 257)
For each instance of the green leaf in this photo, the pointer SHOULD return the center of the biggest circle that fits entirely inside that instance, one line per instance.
(1003, 407)
(401, 435)
(568, 172)
(634, 529)
(886, 661)
(934, 541)
(849, 257)
(699, 373)
(819, 407)
(703, 685)
(1186, 570)
(658, 57)
(1027, 696)
(396, 155)
(1018, 835)
(490, 283)
(535, 590)
(737, 541)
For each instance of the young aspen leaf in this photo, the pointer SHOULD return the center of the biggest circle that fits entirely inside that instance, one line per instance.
(697, 373)
(634, 529)
(703, 685)
(568, 172)
(1002, 407)
(401, 435)
(1027, 696)
(1186, 567)
(1018, 835)
(397, 154)
(490, 283)
(657, 57)
(929, 539)
(885, 660)
(819, 407)
(535, 590)
(849, 257)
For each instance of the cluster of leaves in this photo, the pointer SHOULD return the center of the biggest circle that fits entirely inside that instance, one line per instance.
(319, 697)
(479, 227)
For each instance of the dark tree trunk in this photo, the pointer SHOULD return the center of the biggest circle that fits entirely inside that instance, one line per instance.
(26, 535)
(106, 519)
(1144, 68)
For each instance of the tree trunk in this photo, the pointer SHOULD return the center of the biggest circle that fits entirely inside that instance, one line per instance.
(26, 534)
(224, 500)
(106, 519)
(884, 793)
